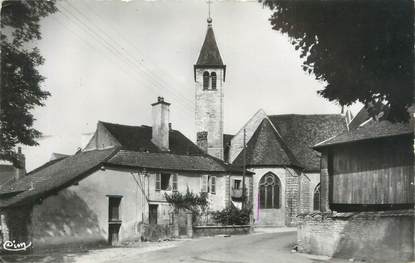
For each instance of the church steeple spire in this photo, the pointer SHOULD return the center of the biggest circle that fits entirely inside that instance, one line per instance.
(209, 56)
(209, 72)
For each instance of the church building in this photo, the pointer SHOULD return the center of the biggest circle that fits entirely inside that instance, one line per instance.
(278, 147)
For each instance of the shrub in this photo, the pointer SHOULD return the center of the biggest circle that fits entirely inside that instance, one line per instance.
(232, 216)
(189, 201)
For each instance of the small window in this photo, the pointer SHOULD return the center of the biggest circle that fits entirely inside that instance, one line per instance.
(236, 184)
(114, 208)
(213, 74)
(205, 80)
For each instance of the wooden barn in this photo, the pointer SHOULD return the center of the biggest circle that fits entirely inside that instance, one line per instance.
(367, 195)
(369, 169)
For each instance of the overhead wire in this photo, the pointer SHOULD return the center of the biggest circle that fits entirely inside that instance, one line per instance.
(116, 50)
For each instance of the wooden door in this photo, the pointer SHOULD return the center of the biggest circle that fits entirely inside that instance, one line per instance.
(152, 217)
(113, 233)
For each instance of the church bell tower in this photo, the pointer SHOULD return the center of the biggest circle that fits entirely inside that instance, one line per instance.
(209, 75)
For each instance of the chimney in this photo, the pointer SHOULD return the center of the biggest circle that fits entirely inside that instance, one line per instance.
(20, 164)
(160, 129)
(202, 140)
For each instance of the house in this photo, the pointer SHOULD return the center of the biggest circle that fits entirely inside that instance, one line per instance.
(286, 170)
(113, 189)
(367, 195)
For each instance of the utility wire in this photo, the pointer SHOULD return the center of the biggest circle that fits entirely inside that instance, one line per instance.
(135, 48)
(126, 56)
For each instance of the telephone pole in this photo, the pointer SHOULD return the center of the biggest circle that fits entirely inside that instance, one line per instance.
(243, 171)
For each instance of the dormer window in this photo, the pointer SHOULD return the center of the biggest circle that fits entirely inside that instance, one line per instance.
(205, 80)
(213, 75)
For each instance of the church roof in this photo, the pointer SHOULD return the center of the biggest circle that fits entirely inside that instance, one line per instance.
(302, 132)
(266, 148)
(209, 54)
(287, 140)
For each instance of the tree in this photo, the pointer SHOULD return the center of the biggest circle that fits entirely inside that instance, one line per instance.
(20, 80)
(362, 50)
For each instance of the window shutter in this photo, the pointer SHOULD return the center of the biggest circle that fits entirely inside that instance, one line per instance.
(203, 183)
(175, 182)
(158, 182)
(213, 184)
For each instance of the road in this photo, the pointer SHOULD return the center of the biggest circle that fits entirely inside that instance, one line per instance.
(256, 247)
(263, 247)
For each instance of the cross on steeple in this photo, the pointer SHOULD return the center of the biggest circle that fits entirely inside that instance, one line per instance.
(209, 20)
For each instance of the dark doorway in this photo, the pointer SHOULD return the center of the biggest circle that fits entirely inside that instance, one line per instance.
(152, 217)
(113, 233)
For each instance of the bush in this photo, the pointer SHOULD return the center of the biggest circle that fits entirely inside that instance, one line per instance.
(189, 200)
(232, 216)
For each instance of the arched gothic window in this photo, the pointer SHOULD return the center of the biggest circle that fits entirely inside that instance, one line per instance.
(269, 191)
(213, 74)
(205, 80)
(316, 198)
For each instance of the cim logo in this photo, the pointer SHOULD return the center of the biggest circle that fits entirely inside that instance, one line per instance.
(16, 246)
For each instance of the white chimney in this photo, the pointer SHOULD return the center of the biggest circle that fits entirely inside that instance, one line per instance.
(161, 119)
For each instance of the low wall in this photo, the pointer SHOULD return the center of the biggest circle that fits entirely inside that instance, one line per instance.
(383, 236)
(156, 232)
(199, 231)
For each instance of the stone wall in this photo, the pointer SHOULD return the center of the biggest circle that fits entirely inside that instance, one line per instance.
(199, 231)
(209, 111)
(296, 196)
(274, 217)
(372, 236)
(292, 194)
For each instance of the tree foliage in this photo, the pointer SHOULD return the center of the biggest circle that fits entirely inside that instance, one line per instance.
(20, 80)
(362, 50)
(189, 201)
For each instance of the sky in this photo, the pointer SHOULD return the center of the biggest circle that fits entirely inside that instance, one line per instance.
(109, 60)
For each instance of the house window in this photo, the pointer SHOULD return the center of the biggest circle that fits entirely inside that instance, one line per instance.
(163, 181)
(205, 80)
(208, 184)
(213, 74)
(236, 184)
(316, 198)
(269, 191)
(114, 208)
(204, 183)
